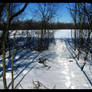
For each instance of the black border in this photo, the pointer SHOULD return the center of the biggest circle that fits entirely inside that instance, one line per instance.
(47, 1)
(37, 90)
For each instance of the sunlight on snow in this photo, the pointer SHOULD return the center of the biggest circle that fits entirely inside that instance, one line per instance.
(63, 33)
(85, 85)
(65, 72)
(25, 71)
(16, 57)
(6, 60)
(66, 66)
(1, 65)
(59, 48)
(58, 59)
(68, 83)
(72, 87)
(67, 77)
(8, 75)
(72, 74)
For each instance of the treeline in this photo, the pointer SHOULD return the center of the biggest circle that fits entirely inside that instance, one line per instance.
(82, 15)
(8, 15)
(33, 25)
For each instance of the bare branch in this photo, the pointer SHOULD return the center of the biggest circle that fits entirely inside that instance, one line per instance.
(19, 12)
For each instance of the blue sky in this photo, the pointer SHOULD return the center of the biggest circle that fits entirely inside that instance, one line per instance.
(63, 14)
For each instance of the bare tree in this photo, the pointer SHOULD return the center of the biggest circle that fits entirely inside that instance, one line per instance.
(11, 18)
(84, 19)
(88, 14)
(5, 36)
(47, 12)
(73, 13)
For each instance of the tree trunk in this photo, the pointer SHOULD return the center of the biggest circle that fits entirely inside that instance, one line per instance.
(75, 39)
(12, 63)
(4, 66)
(5, 35)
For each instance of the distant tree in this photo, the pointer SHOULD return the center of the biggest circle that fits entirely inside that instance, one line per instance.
(47, 12)
(73, 12)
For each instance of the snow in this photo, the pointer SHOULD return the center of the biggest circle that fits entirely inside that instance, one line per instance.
(60, 73)
(88, 67)
(16, 57)
(23, 33)
(64, 33)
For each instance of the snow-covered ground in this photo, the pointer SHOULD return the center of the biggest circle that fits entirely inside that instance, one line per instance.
(61, 72)
(88, 67)
(64, 33)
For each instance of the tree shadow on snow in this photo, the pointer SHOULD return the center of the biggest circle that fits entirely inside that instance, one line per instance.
(25, 65)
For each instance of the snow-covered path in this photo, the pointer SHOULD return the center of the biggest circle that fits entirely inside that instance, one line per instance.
(61, 73)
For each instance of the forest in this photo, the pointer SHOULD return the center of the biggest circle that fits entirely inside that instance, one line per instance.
(30, 37)
(33, 25)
